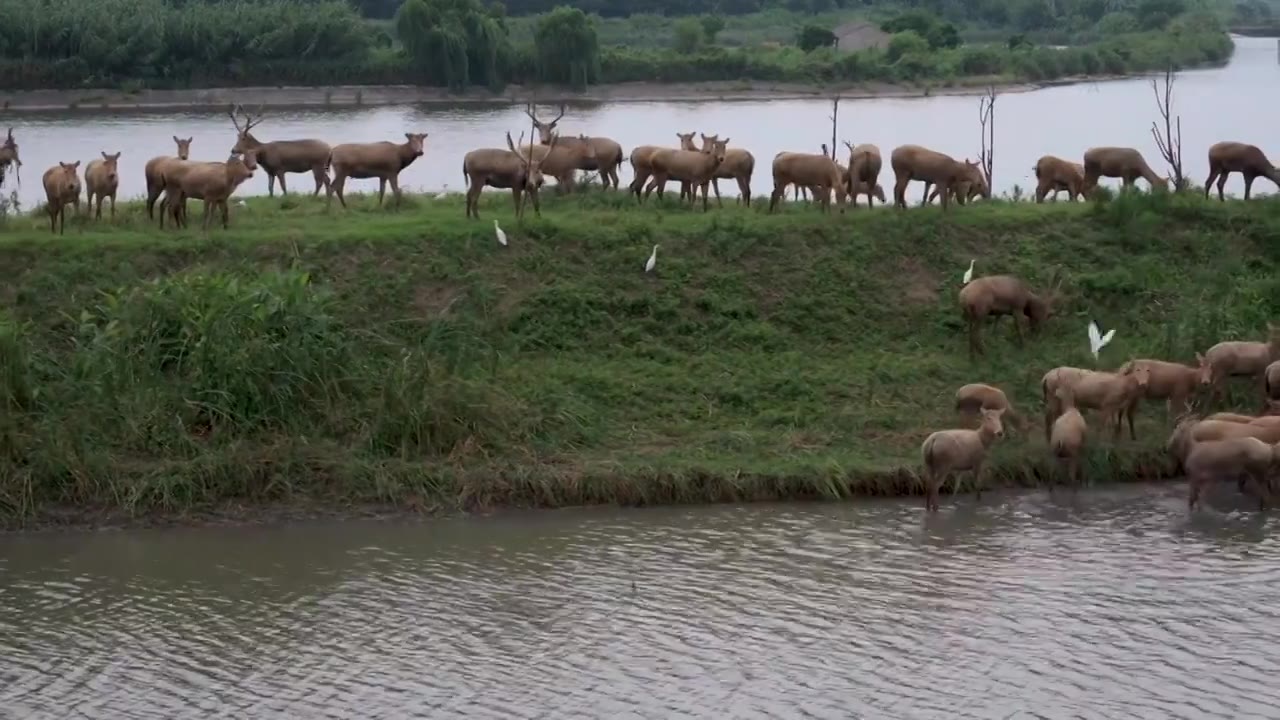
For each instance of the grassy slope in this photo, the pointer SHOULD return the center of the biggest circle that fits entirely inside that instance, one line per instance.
(793, 355)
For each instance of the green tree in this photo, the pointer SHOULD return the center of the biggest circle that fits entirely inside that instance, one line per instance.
(812, 37)
(452, 42)
(711, 27)
(567, 47)
(688, 35)
(907, 42)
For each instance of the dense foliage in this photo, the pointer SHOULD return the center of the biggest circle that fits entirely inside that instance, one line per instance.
(465, 43)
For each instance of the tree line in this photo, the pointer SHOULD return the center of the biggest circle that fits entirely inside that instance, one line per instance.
(466, 43)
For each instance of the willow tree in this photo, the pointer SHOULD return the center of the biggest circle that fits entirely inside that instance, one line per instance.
(451, 42)
(567, 46)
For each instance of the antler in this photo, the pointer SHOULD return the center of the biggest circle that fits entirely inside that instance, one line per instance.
(531, 111)
(250, 121)
(516, 149)
(848, 145)
(232, 113)
(553, 122)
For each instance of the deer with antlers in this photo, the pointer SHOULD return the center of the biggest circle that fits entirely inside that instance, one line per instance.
(605, 159)
(280, 157)
(503, 169)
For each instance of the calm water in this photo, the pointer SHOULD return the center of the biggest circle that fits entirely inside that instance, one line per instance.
(1236, 103)
(1113, 605)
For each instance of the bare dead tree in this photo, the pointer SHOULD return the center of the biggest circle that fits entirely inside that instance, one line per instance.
(835, 114)
(1170, 140)
(987, 127)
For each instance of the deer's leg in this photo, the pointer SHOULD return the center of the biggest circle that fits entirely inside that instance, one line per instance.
(395, 188)
(271, 184)
(340, 187)
(977, 481)
(533, 194)
(716, 185)
(944, 192)
(283, 192)
(113, 206)
(1208, 183)
(1017, 328)
(208, 213)
(382, 190)
(744, 188)
(924, 199)
(778, 192)
(900, 192)
(705, 189)
(1248, 184)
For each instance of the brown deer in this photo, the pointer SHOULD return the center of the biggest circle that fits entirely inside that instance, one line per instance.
(1053, 174)
(383, 160)
(1114, 394)
(998, 295)
(1175, 383)
(1241, 358)
(1242, 459)
(1248, 160)
(739, 165)
(642, 167)
(211, 182)
(913, 162)
(695, 167)
(9, 156)
(281, 157)
(972, 398)
(1067, 438)
(947, 452)
(1118, 162)
(561, 160)
(154, 171)
(502, 169)
(101, 180)
(864, 171)
(817, 172)
(606, 154)
(61, 188)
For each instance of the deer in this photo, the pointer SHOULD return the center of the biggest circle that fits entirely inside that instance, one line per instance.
(1119, 162)
(1235, 358)
(998, 295)
(383, 160)
(818, 172)
(101, 180)
(61, 188)
(606, 154)
(694, 167)
(211, 182)
(1248, 160)
(281, 157)
(1172, 382)
(154, 171)
(560, 160)
(1067, 438)
(864, 172)
(1242, 459)
(641, 162)
(1053, 174)
(739, 165)
(946, 452)
(1113, 394)
(9, 156)
(913, 162)
(503, 169)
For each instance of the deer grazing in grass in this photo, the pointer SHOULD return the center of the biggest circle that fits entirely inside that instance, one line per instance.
(154, 171)
(1053, 174)
(999, 295)
(913, 162)
(1248, 160)
(817, 173)
(362, 161)
(695, 167)
(642, 162)
(9, 156)
(281, 157)
(101, 180)
(947, 452)
(606, 153)
(1119, 162)
(973, 398)
(212, 182)
(864, 172)
(1236, 358)
(61, 188)
(503, 169)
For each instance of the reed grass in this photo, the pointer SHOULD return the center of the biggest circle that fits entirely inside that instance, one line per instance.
(403, 357)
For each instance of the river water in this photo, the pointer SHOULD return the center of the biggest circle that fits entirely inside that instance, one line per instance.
(1233, 103)
(1111, 604)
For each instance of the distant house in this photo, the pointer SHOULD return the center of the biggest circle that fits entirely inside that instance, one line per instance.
(861, 35)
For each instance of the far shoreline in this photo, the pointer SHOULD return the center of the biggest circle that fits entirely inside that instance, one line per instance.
(351, 96)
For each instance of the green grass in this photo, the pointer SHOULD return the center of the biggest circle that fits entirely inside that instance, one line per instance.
(308, 356)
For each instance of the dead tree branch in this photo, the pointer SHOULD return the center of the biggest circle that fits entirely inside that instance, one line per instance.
(835, 114)
(1170, 141)
(987, 127)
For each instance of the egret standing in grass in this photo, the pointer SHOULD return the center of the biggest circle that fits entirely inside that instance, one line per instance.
(502, 237)
(1097, 340)
(652, 262)
(968, 274)
(445, 193)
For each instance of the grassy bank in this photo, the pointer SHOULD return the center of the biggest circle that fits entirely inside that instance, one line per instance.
(405, 358)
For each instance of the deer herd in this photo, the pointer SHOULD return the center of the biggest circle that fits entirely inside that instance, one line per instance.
(522, 169)
(1221, 446)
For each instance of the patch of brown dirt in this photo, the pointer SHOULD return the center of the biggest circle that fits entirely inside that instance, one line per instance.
(435, 300)
(917, 284)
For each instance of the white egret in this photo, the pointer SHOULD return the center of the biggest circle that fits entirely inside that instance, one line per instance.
(502, 237)
(968, 274)
(652, 261)
(1097, 340)
(445, 193)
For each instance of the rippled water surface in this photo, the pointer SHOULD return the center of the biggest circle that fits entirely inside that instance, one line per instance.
(1237, 102)
(1111, 605)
